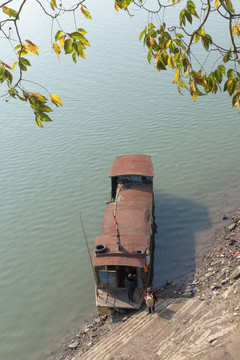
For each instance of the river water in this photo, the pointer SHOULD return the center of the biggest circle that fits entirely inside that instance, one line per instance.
(114, 103)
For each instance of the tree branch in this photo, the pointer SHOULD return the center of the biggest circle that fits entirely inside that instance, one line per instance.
(232, 39)
(201, 25)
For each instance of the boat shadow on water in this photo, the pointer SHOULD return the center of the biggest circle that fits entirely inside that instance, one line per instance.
(177, 223)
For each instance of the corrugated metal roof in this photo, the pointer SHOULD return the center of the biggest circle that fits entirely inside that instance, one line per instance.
(132, 165)
(134, 217)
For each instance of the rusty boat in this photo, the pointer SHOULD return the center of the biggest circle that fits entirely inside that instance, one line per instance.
(125, 244)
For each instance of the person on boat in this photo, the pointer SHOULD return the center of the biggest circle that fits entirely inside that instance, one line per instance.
(150, 298)
(130, 286)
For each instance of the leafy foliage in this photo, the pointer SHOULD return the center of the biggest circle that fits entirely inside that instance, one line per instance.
(73, 43)
(173, 47)
(170, 46)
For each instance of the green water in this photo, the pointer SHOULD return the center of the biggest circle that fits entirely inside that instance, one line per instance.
(114, 103)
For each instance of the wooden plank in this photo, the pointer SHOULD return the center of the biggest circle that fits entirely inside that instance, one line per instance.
(117, 298)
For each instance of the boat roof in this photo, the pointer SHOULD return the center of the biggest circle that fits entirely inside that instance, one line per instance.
(133, 211)
(132, 165)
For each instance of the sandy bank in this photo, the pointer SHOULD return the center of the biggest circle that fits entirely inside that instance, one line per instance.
(198, 318)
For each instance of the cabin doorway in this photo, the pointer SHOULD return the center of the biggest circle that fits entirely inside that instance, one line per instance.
(122, 274)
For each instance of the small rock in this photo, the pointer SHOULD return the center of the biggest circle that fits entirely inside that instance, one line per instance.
(124, 318)
(232, 227)
(224, 216)
(73, 345)
(187, 294)
(224, 281)
(213, 263)
(212, 338)
(235, 274)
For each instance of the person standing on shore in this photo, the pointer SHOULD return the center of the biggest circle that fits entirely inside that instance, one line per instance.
(130, 286)
(150, 298)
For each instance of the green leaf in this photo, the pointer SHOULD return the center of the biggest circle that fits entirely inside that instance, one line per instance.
(53, 5)
(38, 122)
(76, 35)
(179, 35)
(188, 16)
(221, 68)
(78, 47)
(8, 77)
(68, 48)
(143, 33)
(9, 12)
(218, 76)
(231, 87)
(182, 18)
(230, 73)
(42, 116)
(22, 66)
(74, 56)
(82, 31)
(229, 6)
(58, 35)
(12, 92)
(149, 56)
(84, 41)
(24, 61)
(227, 57)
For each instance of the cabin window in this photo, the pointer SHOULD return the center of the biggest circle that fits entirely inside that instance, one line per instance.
(147, 180)
(111, 267)
(127, 179)
(106, 276)
(114, 187)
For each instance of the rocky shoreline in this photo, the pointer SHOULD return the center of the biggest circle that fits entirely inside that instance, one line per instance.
(215, 282)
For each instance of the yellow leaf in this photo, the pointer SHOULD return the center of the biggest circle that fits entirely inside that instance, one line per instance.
(185, 85)
(171, 61)
(24, 51)
(57, 49)
(32, 47)
(62, 40)
(168, 43)
(56, 99)
(194, 96)
(152, 41)
(14, 65)
(116, 6)
(82, 54)
(217, 3)
(188, 68)
(193, 90)
(5, 65)
(85, 13)
(236, 29)
(41, 97)
(31, 43)
(176, 76)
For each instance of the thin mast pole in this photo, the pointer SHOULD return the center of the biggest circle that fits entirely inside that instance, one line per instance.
(90, 258)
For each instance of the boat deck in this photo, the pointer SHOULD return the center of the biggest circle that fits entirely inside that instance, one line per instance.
(117, 298)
